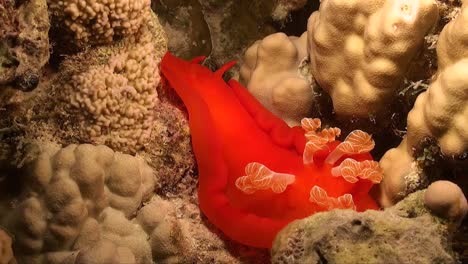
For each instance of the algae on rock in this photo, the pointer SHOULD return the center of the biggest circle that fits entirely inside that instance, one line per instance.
(406, 233)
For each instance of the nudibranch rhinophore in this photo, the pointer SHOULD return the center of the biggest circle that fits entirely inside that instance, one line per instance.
(256, 174)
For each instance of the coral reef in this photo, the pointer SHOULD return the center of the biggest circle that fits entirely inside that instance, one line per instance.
(92, 22)
(406, 233)
(107, 95)
(273, 71)
(96, 164)
(24, 42)
(440, 113)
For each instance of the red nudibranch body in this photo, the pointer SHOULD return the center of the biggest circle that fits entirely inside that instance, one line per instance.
(256, 174)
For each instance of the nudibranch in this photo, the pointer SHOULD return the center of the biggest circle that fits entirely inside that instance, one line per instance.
(257, 174)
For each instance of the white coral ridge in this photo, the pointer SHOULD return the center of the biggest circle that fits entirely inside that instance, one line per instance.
(360, 50)
(81, 203)
(272, 73)
(100, 21)
(115, 103)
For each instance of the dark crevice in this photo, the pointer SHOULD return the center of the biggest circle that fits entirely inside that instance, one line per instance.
(322, 259)
(296, 23)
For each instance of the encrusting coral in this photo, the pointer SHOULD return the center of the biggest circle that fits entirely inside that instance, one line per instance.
(361, 55)
(440, 113)
(405, 233)
(93, 22)
(273, 73)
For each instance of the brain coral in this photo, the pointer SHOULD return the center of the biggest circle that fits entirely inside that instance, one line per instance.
(99, 22)
(74, 196)
(114, 103)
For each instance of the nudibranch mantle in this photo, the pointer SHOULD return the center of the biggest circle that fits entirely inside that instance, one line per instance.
(256, 174)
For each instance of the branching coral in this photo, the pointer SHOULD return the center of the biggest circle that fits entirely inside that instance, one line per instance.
(94, 22)
(439, 113)
(273, 74)
(115, 103)
(360, 51)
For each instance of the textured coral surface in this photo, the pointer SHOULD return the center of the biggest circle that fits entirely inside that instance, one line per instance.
(91, 22)
(24, 42)
(407, 233)
(68, 197)
(118, 98)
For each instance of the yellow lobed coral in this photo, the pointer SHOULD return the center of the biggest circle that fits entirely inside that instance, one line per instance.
(360, 50)
(99, 21)
(67, 197)
(440, 113)
(272, 73)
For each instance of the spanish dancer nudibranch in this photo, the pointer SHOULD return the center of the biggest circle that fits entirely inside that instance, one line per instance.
(256, 174)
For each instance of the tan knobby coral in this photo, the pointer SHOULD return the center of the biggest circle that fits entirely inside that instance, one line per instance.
(440, 113)
(92, 22)
(115, 103)
(272, 72)
(73, 197)
(360, 50)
